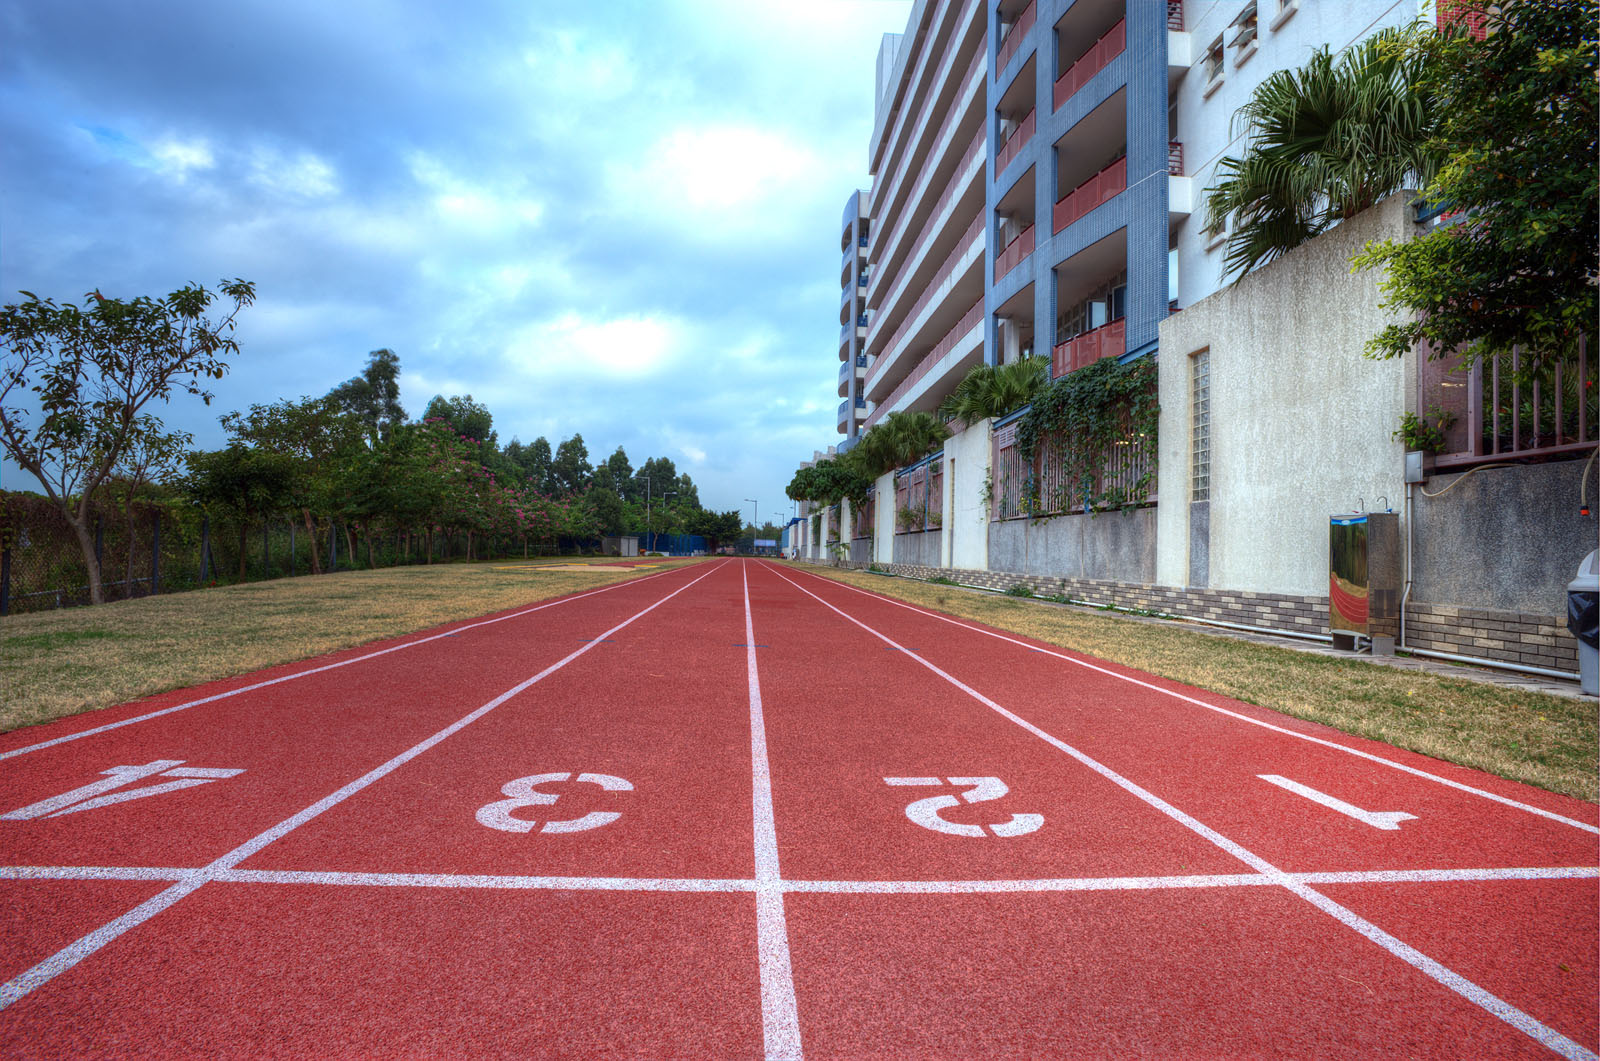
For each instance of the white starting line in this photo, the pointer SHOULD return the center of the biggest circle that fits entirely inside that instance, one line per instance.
(340, 878)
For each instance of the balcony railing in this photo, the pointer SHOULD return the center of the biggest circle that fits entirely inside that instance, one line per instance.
(939, 277)
(1108, 340)
(1091, 63)
(904, 162)
(919, 497)
(1015, 252)
(1102, 187)
(1175, 158)
(1019, 136)
(968, 321)
(1175, 15)
(946, 197)
(1498, 414)
(1013, 38)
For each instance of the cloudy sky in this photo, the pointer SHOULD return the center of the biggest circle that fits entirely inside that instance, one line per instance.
(614, 218)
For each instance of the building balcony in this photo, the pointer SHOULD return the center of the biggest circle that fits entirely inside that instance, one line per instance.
(854, 368)
(1012, 42)
(1108, 340)
(1013, 145)
(847, 413)
(846, 333)
(961, 347)
(1101, 188)
(1090, 63)
(1015, 252)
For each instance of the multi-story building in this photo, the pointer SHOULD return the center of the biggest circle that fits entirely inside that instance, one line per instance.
(1037, 176)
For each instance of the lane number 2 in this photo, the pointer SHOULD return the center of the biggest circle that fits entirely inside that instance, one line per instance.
(524, 792)
(925, 812)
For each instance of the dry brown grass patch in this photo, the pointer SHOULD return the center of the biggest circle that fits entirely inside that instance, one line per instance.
(59, 663)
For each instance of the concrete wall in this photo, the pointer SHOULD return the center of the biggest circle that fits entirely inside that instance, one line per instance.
(1112, 546)
(1301, 421)
(1508, 539)
(883, 525)
(966, 498)
(920, 549)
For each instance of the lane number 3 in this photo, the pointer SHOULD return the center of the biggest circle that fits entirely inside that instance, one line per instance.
(925, 812)
(524, 792)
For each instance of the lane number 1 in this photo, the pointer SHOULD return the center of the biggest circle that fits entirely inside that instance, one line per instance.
(925, 812)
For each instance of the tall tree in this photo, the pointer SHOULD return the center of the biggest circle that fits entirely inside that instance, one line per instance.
(570, 470)
(374, 396)
(539, 464)
(246, 481)
(1517, 128)
(621, 470)
(468, 417)
(91, 372)
(1323, 143)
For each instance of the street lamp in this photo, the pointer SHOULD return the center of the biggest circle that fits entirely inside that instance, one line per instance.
(755, 522)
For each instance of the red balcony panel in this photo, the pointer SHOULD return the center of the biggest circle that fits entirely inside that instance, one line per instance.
(1102, 187)
(1175, 157)
(968, 321)
(1091, 62)
(1108, 340)
(1015, 252)
(1013, 39)
(1019, 136)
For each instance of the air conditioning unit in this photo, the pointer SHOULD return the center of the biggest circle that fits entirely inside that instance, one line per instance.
(1364, 581)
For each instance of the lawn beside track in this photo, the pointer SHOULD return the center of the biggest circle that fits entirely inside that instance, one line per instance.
(1543, 740)
(59, 663)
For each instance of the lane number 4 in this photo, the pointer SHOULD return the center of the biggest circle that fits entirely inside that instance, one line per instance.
(104, 793)
(524, 792)
(925, 812)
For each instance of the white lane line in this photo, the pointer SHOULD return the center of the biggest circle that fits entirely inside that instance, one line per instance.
(1485, 1000)
(339, 878)
(1378, 819)
(480, 881)
(95, 872)
(19, 986)
(780, 1018)
(1370, 757)
(318, 670)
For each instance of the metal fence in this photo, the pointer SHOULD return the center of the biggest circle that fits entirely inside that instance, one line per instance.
(1043, 487)
(145, 549)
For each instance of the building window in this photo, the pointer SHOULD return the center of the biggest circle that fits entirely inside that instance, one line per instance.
(1286, 8)
(1213, 66)
(1200, 426)
(1245, 30)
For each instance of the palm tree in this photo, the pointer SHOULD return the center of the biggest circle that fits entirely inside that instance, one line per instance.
(994, 390)
(1324, 143)
(900, 439)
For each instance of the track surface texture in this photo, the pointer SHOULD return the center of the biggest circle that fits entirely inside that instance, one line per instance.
(736, 810)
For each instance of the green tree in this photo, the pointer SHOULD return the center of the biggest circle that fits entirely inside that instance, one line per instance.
(1323, 143)
(74, 382)
(247, 482)
(466, 416)
(374, 396)
(620, 470)
(316, 438)
(539, 464)
(570, 471)
(1517, 131)
(994, 390)
(899, 439)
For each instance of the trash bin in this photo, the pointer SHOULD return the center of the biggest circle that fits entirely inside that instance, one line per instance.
(1583, 619)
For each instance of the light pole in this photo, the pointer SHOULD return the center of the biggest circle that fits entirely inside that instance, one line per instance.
(754, 522)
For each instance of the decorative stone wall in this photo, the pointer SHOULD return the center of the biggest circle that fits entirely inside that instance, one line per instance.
(1511, 637)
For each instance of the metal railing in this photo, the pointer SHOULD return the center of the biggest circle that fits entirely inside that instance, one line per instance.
(1499, 409)
(1090, 63)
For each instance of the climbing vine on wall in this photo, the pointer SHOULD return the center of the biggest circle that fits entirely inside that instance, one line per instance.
(1091, 436)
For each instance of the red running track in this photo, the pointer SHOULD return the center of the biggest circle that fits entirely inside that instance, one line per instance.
(737, 810)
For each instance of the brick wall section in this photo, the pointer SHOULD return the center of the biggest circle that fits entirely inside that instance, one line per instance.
(1511, 637)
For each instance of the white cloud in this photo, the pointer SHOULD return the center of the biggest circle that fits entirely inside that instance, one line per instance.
(305, 176)
(622, 348)
(464, 203)
(177, 157)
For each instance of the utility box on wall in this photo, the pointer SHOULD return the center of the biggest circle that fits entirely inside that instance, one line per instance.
(1364, 579)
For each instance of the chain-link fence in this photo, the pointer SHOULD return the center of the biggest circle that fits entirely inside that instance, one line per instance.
(153, 548)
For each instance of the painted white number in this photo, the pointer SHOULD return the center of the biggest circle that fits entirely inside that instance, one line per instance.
(925, 812)
(523, 792)
(103, 793)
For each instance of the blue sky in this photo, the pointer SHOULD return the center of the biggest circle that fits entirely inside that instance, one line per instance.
(614, 218)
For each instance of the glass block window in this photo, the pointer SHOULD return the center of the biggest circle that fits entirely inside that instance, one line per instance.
(1200, 426)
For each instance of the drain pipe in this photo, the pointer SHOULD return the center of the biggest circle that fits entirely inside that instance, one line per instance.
(1406, 596)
